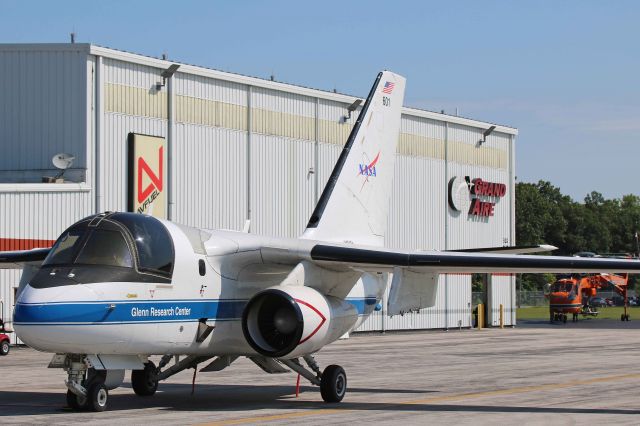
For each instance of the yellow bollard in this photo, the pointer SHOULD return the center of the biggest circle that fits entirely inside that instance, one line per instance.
(480, 316)
(501, 315)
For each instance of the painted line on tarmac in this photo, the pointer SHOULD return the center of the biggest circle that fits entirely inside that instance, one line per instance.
(473, 395)
(523, 389)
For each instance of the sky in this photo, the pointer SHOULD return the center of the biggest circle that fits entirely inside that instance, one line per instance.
(565, 73)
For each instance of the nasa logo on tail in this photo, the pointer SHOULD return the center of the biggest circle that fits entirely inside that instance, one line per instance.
(368, 169)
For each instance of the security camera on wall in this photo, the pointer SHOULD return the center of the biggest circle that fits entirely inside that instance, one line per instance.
(61, 162)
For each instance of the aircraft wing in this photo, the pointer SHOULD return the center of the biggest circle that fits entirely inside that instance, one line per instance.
(541, 248)
(18, 259)
(333, 268)
(373, 259)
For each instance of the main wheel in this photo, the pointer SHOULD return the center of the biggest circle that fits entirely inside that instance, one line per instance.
(333, 383)
(75, 402)
(97, 396)
(4, 347)
(145, 382)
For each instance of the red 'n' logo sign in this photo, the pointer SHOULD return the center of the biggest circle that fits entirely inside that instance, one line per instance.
(156, 180)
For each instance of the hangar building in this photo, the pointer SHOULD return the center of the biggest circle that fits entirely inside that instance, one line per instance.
(238, 148)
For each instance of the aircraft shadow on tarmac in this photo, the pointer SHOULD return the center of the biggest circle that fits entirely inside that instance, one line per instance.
(233, 398)
(178, 397)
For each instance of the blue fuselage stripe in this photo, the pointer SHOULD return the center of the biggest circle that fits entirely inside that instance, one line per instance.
(144, 311)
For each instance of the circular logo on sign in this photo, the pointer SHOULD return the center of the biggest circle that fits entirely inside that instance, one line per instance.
(459, 195)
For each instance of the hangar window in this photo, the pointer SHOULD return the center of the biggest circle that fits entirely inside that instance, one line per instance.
(105, 248)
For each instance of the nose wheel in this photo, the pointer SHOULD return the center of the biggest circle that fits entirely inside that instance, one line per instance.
(76, 402)
(98, 396)
(91, 397)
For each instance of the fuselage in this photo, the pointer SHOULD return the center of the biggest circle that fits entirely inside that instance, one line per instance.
(92, 301)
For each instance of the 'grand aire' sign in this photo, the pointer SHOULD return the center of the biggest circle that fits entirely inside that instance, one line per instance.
(477, 197)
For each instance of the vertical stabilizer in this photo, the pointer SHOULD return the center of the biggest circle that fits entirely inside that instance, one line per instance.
(355, 202)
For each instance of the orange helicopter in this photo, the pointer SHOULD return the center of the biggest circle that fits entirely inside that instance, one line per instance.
(573, 295)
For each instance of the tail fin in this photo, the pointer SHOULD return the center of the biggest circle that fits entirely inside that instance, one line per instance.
(355, 202)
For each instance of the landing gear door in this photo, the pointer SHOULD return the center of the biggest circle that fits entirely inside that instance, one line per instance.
(411, 291)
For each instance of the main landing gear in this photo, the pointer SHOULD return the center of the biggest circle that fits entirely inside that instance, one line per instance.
(558, 316)
(332, 381)
(145, 382)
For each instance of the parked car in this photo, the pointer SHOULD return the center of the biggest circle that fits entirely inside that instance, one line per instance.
(4, 344)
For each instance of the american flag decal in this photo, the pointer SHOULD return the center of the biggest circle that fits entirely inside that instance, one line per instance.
(388, 87)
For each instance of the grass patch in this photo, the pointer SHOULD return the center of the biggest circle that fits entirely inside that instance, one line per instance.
(609, 312)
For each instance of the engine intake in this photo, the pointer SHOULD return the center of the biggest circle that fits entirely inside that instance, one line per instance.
(272, 323)
(285, 320)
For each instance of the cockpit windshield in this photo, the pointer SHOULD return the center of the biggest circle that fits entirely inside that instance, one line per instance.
(105, 248)
(66, 246)
(115, 241)
(562, 286)
(153, 243)
(109, 247)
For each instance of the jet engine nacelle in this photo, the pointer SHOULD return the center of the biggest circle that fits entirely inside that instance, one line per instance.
(290, 321)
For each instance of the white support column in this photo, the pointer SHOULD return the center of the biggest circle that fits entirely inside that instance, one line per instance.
(446, 222)
(512, 219)
(171, 175)
(249, 130)
(99, 134)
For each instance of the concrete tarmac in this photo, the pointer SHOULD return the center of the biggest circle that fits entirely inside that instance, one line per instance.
(535, 374)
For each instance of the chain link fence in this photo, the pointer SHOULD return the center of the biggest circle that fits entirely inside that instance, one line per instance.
(538, 297)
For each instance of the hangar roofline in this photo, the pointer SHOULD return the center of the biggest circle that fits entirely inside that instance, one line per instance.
(107, 52)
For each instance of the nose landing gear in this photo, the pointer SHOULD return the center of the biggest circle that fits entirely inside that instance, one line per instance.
(86, 386)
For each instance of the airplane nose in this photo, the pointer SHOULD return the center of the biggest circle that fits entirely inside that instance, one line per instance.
(58, 319)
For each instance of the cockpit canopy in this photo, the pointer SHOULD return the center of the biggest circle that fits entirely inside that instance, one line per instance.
(562, 286)
(132, 246)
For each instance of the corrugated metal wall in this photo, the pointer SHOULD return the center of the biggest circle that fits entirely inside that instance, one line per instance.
(211, 177)
(42, 111)
(242, 151)
(131, 104)
(33, 214)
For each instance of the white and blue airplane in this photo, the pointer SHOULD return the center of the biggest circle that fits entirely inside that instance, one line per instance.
(118, 288)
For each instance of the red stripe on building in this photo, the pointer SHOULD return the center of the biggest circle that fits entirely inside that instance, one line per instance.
(12, 244)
